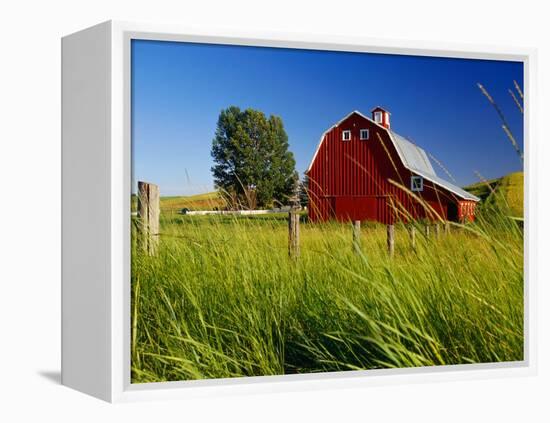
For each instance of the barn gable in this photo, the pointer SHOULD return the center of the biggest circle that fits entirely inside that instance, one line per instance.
(412, 157)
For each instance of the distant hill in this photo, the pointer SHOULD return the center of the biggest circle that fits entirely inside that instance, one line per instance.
(174, 204)
(206, 201)
(502, 192)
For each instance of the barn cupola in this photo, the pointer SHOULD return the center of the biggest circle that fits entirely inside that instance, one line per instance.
(381, 116)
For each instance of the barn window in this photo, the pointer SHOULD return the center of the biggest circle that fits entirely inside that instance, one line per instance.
(378, 117)
(417, 183)
(364, 134)
(346, 135)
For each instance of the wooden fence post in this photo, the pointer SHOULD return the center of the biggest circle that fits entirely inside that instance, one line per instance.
(447, 228)
(437, 230)
(427, 230)
(356, 229)
(293, 234)
(413, 236)
(148, 217)
(391, 240)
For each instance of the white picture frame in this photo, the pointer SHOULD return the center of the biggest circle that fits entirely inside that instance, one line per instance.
(96, 226)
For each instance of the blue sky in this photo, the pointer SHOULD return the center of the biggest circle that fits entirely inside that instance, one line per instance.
(179, 89)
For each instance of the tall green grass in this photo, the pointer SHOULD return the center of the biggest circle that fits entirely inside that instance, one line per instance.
(222, 298)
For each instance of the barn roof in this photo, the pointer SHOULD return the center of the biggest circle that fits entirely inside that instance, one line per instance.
(447, 185)
(412, 156)
(416, 160)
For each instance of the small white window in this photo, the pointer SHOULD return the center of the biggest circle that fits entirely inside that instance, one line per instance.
(417, 183)
(378, 117)
(364, 134)
(346, 135)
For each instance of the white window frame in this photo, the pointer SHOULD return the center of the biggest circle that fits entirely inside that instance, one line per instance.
(378, 117)
(348, 133)
(361, 134)
(417, 178)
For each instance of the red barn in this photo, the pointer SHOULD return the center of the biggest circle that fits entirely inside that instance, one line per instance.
(363, 170)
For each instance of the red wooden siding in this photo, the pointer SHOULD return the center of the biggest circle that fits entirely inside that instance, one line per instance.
(466, 210)
(350, 180)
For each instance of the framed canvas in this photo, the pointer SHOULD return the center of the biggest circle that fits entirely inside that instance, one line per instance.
(269, 212)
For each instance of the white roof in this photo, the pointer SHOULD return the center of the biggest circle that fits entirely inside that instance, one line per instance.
(412, 156)
(447, 185)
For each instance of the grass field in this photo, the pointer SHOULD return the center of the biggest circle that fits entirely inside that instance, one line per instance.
(223, 299)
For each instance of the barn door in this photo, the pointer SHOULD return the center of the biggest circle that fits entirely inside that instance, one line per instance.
(365, 208)
(452, 212)
(349, 207)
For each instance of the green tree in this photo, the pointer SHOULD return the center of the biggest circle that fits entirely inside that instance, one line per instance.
(252, 161)
(304, 192)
